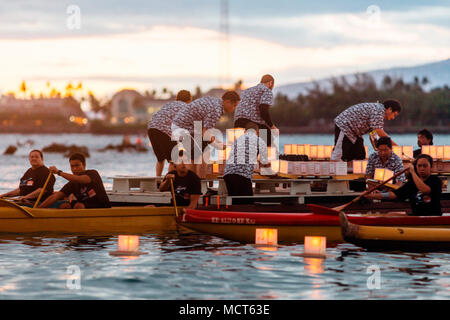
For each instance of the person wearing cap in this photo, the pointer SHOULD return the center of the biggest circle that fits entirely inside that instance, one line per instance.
(160, 130)
(357, 120)
(424, 138)
(254, 106)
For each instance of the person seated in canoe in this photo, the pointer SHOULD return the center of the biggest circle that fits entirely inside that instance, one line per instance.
(385, 158)
(238, 172)
(422, 189)
(85, 185)
(424, 138)
(357, 120)
(33, 180)
(186, 183)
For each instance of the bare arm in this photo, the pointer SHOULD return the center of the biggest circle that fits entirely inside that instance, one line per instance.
(32, 195)
(13, 193)
(84, 179)
(378, 195)
(194, 201)
(421, 186)
(165, 184)
(382, 133)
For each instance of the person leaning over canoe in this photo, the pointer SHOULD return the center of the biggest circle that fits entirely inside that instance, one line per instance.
(385, 158)
(206, 111)
(254, 106)
(186, 184)
(422, 189)
(424, 138)
(160, 132)
(33, 180)
(357, 120)
(238, 172)
(85, 185)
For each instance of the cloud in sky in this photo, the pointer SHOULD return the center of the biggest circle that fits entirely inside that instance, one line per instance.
(149, 44)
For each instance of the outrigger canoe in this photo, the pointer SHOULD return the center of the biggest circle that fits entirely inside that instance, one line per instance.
(395, 238)
(293, 227)
(134, 220)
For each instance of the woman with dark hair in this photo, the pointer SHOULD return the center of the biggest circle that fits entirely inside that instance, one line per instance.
(424, 138)
(33, 180)
(422, 189)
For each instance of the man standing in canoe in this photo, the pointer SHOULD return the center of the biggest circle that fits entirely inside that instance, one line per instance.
(241, 163)
(357, 120)
(160, 130)
(422, 189)
(204, 112)
(85, 185)
(254, 107)
(33, 180)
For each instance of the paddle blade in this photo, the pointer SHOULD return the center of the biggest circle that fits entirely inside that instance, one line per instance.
(316, 209)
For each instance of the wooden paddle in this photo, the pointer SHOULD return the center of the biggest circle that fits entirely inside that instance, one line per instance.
(173, 197)
(12, 204)
(316, 209)
(42, 191)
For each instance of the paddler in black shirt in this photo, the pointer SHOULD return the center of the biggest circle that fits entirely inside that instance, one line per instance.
(33, 180)
(85, 185)
(422, 189)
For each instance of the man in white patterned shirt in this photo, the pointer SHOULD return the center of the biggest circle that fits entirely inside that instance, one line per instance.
(238, 172)
(385, 158)
(207, 112)
(160, 131)
(358, 120)
(254, 106)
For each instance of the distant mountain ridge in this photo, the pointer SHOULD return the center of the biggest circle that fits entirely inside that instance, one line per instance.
(437, 73)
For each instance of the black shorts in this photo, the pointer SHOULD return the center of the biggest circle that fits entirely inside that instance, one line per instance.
(162, 144)
(350, 151)
(238, 185)
(242, 122)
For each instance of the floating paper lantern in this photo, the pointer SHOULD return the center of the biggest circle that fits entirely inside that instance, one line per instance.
(127, 245)
(266, 237)
(315, 246)
(382, 174)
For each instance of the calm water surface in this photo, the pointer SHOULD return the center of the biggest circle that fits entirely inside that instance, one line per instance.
(192, 265)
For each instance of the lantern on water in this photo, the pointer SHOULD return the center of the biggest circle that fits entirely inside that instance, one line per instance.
(268, 237)
(315, 246)
(382, 174)
(128, 243)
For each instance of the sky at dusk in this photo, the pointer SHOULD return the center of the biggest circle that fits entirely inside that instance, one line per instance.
(147, 45)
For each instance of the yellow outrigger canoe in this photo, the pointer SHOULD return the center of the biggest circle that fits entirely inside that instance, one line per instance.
(135, 220)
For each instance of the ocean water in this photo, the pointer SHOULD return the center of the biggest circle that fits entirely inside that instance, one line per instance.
(192, 265)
